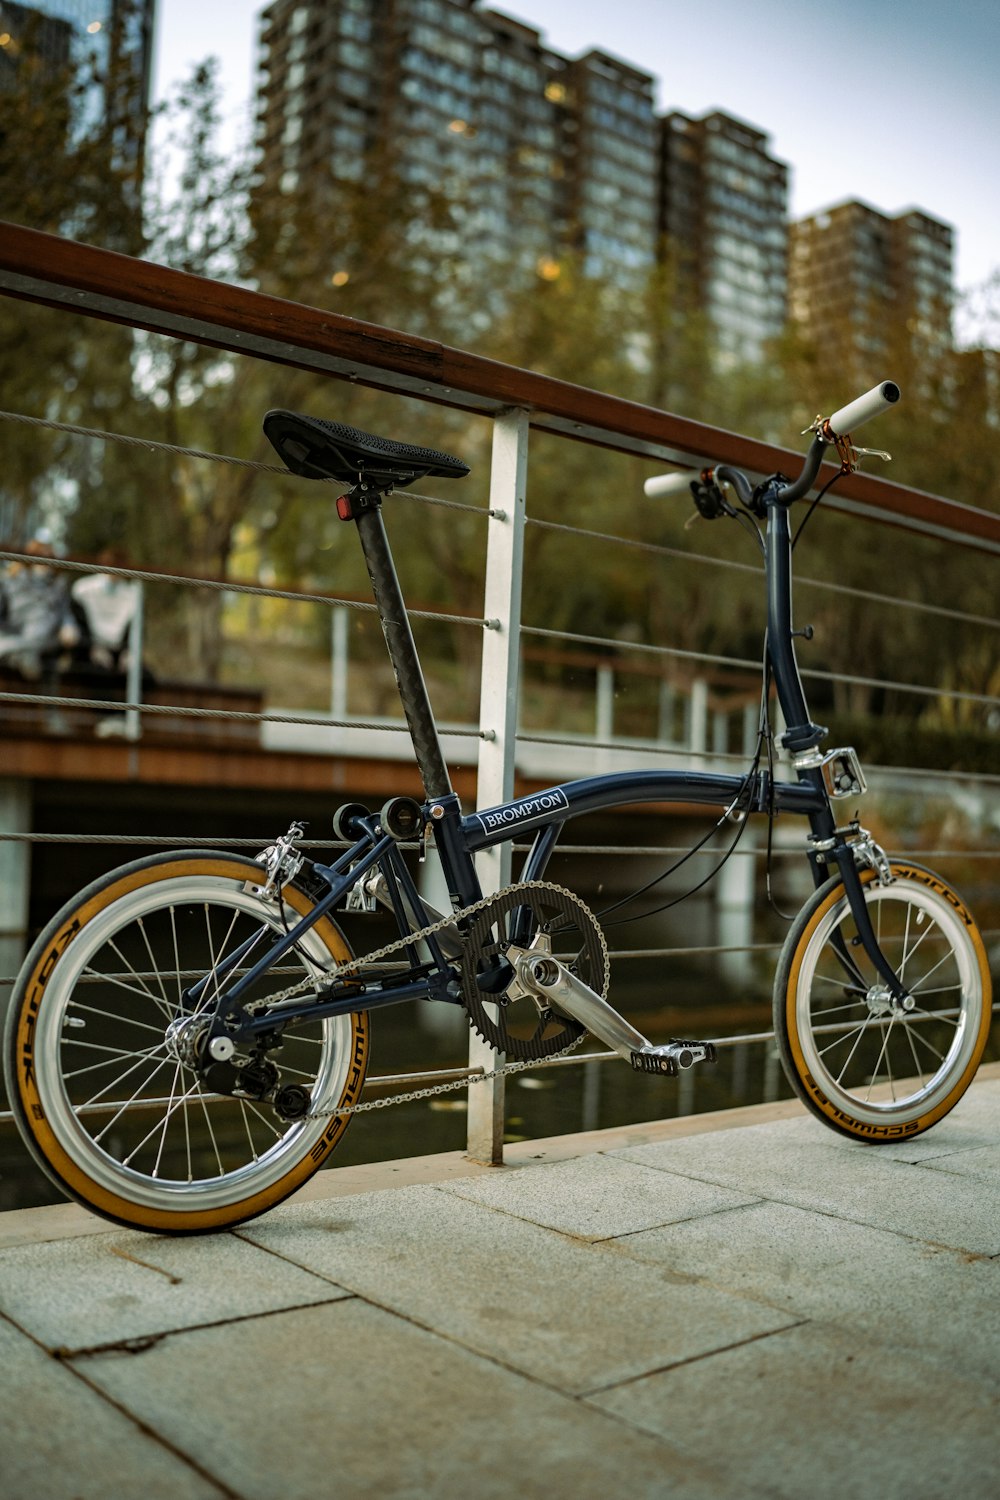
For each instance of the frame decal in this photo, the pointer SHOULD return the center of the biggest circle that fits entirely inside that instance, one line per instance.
(508, 816)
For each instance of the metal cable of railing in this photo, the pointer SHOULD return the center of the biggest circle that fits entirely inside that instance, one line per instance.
(921, 606)
(446, 371)
(235, 586)
(609, 643)
(153, 445)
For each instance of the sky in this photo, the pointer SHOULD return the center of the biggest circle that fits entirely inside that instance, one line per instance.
(894, 102)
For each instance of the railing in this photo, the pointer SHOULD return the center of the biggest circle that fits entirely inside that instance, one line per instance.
(100, 284)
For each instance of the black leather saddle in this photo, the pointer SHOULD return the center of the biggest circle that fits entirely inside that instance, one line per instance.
(317, 449)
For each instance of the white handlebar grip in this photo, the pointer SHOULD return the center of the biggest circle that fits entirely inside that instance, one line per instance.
(851, 416)
(677, 483)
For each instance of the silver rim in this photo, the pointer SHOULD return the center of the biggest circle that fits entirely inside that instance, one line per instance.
(877, 1063)
(130, 1114)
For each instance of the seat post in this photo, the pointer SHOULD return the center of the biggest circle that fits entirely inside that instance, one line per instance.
(402, 652)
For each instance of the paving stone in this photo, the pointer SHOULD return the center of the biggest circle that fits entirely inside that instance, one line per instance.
(977, 1114)
(61, 1440)
(82, 1292)
(828, 1414)
(982, 1162)
(595, 1197)
(898, 1292)
(552, 1307)
(790, 1162)
(374, 1406)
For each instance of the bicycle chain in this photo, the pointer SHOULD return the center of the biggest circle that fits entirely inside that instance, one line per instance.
(351, 966)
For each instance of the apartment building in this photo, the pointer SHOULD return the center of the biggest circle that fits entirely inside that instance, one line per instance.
(539, 154)
(724, 218)
(860, 281)
(68, 32)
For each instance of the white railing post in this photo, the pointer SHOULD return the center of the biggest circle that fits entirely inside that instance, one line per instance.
(133, 678)
(338, 661)
(697, 717)
(604, 715)
(498, 714)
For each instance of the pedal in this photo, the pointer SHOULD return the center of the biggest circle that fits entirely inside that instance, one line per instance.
(673, 1056)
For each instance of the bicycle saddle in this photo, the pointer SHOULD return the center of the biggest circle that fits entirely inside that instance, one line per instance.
(317, 449)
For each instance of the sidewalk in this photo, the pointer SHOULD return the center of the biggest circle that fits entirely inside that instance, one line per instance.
(667, 1311)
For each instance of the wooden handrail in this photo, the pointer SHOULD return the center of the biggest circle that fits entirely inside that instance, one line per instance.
(102, 283)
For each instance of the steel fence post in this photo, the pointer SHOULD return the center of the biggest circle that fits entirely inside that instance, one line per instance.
(498, 715)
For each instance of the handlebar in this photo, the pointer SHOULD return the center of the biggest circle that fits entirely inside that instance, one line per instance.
(851, 416)
(677, 483)
(838, 427)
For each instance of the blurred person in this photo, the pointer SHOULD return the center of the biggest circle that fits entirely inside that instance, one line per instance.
(36, 621)
(105, 606)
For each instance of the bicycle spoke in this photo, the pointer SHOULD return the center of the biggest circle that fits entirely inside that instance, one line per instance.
(862, 1030)
(128, 1102)
(150, 1133)
(166, 1118)
(140, 1058)
(279, 1135)
(143, 988)
(888, 1063)
(98, 977)
(913, 1053)
(112, 1015)
(928, 1045)
(116, 1053)
(156, 970)
(211, 1132)
(216, 958)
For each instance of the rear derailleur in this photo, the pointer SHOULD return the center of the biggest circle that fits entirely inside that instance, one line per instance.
(250, 1075)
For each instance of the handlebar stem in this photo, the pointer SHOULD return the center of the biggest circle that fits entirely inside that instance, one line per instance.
(801, 733)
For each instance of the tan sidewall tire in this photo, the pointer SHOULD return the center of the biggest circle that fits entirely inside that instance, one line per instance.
(786, 1017)
(29, 1107)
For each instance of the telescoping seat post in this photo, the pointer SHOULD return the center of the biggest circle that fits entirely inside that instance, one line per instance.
(402, 648)
(318, 449)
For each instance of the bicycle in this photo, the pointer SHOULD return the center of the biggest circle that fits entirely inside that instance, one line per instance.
(213, 990)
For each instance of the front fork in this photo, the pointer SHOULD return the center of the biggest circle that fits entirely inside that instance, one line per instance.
(854, 849)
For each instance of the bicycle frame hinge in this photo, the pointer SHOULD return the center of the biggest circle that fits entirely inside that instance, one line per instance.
(840, 769)
(802, 738)
(868, 855)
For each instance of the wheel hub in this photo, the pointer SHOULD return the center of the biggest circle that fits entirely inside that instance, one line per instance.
(882, 1002)
(183, 1036)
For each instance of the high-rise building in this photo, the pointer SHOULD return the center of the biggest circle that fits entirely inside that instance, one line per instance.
(91, 60)
(611, 159)
(116, 34)
(725, 222)
(861, 282)
(533, 154)
(536, 153)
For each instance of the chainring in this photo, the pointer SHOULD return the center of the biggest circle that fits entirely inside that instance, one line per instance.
(524, 1028)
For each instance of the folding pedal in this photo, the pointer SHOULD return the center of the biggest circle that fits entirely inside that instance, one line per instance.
(670, 1057)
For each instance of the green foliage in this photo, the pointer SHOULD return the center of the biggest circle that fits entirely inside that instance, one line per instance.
(344, 246)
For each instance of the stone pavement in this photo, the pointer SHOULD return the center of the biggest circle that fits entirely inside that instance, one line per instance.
(674, 1311)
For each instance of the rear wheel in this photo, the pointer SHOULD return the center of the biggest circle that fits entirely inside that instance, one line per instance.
(101, 1074)
(863, 1064)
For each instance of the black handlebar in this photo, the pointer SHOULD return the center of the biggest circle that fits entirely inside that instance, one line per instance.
(777, 490)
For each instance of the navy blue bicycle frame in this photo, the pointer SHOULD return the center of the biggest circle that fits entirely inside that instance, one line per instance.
(458, 837)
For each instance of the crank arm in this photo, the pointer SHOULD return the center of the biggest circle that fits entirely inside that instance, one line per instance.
(549, 979)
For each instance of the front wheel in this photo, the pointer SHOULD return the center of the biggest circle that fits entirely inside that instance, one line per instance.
(106, 1096)
(866, 1066)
